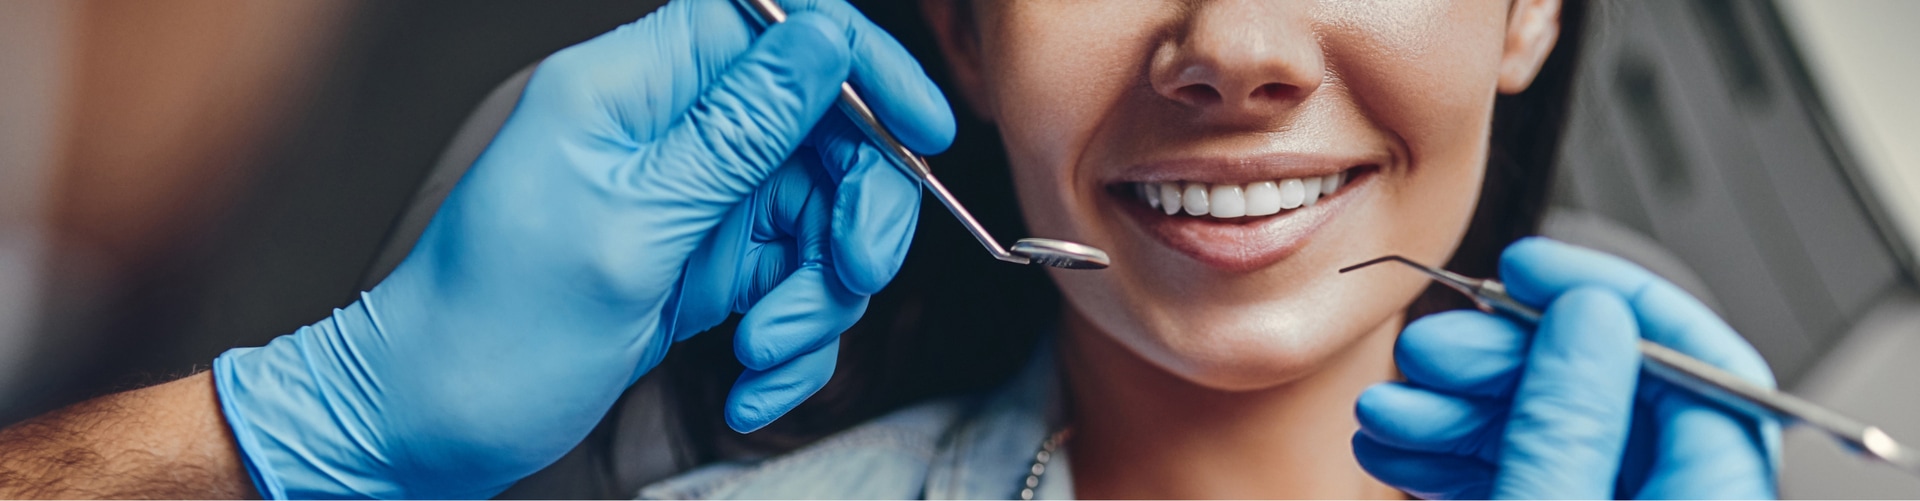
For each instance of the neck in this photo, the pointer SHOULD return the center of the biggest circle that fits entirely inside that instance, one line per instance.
(1143, 432)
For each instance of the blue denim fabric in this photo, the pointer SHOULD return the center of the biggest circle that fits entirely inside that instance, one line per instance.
(976, 447)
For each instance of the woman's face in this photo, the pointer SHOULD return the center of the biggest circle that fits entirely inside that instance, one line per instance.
(1231, 155)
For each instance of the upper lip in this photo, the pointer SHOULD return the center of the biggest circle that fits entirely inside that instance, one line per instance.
(1241, 169)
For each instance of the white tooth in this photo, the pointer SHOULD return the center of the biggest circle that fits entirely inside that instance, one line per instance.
(1312, 186)
(1263, 198)
(1169, 197)
(1148, 193)
(1194, 198)
(1292, 192)
(1228, 200)
(1330, 183)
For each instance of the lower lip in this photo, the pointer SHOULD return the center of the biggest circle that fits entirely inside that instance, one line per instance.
(1243, 244)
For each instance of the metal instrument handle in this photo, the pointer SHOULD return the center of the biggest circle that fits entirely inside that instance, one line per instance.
(856, 108)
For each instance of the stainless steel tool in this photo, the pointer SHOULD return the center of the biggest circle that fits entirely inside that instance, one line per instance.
(1042, 251)
(1695, 375)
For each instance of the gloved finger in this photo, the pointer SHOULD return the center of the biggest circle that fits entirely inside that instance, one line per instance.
(810, 307)
(807, 310)
(1699, 439)
(1703, 452)
(790, 206)
(771, 263)
(776, 214)
(1464, 352)
(890, 79)
(1415, 419)
(747, 123)
(760, 396)
(1537, 269)
(1671, 317)
(749, 252)
(704, 39)
(1426, 475)
(1568, 424)
(876, 208)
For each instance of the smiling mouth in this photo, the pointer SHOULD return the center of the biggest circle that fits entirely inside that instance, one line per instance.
(1227, 201)
(1239, 227)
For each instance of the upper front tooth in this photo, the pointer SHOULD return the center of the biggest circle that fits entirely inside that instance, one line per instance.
(1227, 201)
(1292, 193)
(1231, 200)
(1169, 197)
(1194, 198)
(1263, 198)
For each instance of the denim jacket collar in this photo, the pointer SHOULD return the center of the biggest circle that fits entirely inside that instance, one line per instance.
(989, 454)
(978, 447)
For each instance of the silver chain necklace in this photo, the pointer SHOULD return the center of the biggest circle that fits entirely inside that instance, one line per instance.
(1040, 460)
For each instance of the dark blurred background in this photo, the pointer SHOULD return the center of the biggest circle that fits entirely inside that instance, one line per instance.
(229, 168)
(181, 177)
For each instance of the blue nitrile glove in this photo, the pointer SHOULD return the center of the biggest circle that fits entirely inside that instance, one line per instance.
(1490, 410)
(650, 181)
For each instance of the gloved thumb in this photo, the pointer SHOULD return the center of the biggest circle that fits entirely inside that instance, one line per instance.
(749, 120)
(1571, 412)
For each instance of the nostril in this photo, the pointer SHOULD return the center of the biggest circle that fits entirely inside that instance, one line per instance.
(1197, 94)
(1271, 91)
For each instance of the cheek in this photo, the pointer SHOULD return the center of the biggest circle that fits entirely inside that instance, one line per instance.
(1426, 72)
(1056, 71)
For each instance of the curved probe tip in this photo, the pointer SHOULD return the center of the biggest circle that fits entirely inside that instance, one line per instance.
(1382, 259)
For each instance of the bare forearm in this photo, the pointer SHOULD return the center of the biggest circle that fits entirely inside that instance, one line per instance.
(165, 441)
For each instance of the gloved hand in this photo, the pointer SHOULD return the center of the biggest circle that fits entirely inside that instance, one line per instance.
(1493, 410)
(651, 181)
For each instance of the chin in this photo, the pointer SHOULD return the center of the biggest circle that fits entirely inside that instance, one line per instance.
(1255, 348)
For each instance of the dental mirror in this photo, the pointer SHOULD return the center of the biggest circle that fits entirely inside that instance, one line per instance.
(1059, 254)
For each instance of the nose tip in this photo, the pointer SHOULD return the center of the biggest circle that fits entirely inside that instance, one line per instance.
(1240, 57)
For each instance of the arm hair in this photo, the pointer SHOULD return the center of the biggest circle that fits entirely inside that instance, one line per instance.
(163, 441)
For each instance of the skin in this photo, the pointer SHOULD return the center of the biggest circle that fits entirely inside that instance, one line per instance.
(161, 442)
(1191, 379)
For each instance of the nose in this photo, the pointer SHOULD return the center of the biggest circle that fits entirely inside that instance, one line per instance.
(1241, 58)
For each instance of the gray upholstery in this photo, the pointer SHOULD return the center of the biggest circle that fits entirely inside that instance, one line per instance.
(1594, 231)
(1870, 376)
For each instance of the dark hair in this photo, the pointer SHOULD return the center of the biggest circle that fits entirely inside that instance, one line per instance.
(956, 321)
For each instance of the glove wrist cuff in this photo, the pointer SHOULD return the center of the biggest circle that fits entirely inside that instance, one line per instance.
(265, 483)
(293, 406)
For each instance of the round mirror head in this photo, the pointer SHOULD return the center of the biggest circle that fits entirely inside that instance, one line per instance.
(1060, 254)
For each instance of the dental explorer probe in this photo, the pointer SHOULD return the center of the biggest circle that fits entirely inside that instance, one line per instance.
(1043, 251)
(1702, 378)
